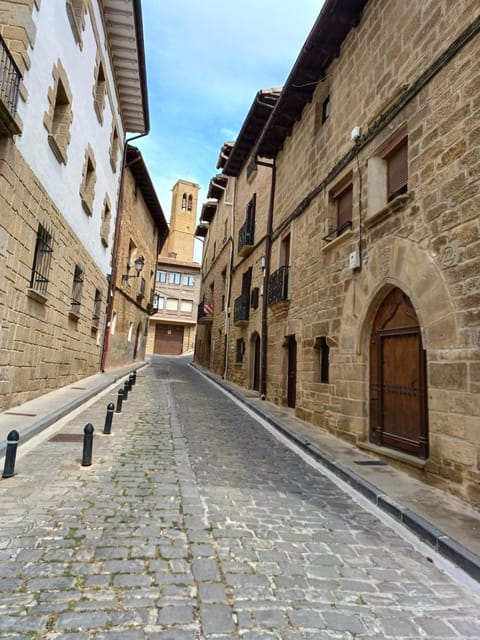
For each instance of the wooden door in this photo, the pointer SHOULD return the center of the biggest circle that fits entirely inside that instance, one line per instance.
(292, 372)
(398, 393)
(168, 339)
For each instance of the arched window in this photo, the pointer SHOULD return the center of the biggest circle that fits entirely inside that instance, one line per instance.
(184, 202)
(190, 203)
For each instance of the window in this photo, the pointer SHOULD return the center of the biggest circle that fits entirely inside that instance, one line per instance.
(240, 350)
(76, 291)
(162, 276)
(254, 298)
(106, 220)
(97, 307)
(190, 203)
(41, 261)
(397, 169)
(114, 146)
(188, 281)
(99, 91)
(186, 306)
(325, 109)
(184, 202)
(159, 302)
(323, 358)
(87, 188)
(340, 208)
(173, 278)
(172, 304)
(58, 119)
(76, 16)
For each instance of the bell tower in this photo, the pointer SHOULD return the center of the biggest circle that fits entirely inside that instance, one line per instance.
(183, 215)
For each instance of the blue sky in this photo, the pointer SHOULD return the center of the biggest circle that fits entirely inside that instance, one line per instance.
(206, 60)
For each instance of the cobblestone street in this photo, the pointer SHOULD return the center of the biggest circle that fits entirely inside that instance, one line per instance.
(195, 523)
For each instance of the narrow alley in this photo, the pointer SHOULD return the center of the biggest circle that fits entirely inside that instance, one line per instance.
(195, 523)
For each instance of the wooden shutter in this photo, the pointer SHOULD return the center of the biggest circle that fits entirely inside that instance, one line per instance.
(397, 170)
(344, 207)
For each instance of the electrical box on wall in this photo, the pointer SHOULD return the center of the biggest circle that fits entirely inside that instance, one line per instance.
(354, 260)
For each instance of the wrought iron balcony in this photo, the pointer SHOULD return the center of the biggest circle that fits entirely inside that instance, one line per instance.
(278, 286)
(10, 77)
(245, 239)
(205, 312)
(241, 310)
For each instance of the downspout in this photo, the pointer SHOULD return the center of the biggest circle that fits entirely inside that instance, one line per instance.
(116, 245)
(266, 277)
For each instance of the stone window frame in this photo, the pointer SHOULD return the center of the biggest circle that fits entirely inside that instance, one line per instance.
(322, 360)
(76, 10)
(99, 89)
(97, 310)
(42, 264)
(106, 221)
(322, 110)
(379, 202)
(77, 288)
(114, 146)
(89, 177)
(58, 119)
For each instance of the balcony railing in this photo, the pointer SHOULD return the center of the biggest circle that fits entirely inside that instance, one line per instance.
(205, 312)
(245, 239)
(10, 77)
(278, 286)
(241, 309)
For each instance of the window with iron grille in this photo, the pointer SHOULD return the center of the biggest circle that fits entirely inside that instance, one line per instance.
(42, 261)
(97, 308)
(76, 291)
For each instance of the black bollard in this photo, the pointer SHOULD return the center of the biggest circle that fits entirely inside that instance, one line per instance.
(11, 454)
(87, 445)
(125, 390)
(130, 382)
(134, 377)
(119, 401)
(108, 419)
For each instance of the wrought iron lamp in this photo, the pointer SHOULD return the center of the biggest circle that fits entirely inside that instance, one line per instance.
(138, 264)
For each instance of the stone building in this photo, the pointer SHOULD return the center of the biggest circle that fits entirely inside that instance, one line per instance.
(373, 307)
(73, 83)
(173, 326)
(142, 232)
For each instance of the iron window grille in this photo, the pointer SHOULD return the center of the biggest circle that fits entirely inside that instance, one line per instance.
(41, 261)
(241, 309)
(278, 285)
(97, 308)
(76, 291)
(9, 78)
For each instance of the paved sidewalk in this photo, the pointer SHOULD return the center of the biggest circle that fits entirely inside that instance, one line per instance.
(448, 524)
(34, 416)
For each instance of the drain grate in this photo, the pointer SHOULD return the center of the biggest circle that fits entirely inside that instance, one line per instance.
(371, 463)
(66, 437)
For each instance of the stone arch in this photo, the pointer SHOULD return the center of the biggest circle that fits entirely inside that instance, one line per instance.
(395, 262)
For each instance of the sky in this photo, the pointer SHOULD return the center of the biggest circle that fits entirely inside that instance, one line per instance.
(206, 60)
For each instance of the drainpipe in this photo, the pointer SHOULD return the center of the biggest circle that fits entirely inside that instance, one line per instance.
(229, 282)
(116, 245)
(266, 276)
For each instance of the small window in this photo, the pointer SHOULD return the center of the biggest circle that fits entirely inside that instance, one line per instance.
(158, 302)
(184, 202)
(173, 278)
(172, 304)
(162, 276)
(324, 358)
(114, 147)
(344, 206)
(240, 350)
(77, 287)
(41, 261)
(254, 298)
(106, 221)
(58, 118)
(97, 308)
(325, 109)
(99, 92)
(186, 306)
(188, 281)
(397, 170)
(190, 203)
(87, 188)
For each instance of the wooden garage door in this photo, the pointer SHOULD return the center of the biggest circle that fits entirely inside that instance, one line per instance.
(168, 339)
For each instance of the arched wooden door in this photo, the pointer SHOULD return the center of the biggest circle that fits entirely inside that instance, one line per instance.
(398, 389)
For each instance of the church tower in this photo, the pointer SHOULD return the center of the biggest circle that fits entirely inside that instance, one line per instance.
(180, 241)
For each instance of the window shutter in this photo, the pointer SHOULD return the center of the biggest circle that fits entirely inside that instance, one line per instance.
(344, 207)
(397, 172)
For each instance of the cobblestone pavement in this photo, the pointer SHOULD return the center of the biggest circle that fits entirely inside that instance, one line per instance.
(195, 523)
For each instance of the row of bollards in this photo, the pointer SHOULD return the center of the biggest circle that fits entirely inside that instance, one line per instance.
(14, 437)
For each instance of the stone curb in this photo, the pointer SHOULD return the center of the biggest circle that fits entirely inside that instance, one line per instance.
(61, 411)
(425, 530)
